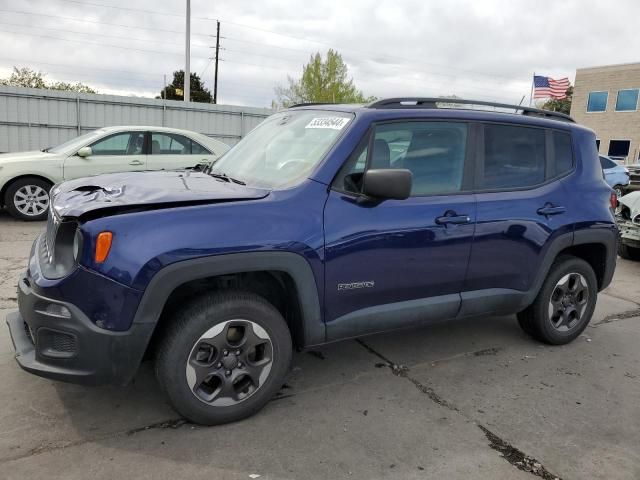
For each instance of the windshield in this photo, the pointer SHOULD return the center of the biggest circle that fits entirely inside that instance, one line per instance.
(75, 143)
(283, 149)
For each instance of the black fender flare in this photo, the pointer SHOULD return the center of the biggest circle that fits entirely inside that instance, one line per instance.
(606, 235)
(166, 280)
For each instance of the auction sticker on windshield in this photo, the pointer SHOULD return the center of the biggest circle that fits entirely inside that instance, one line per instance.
(335, 123)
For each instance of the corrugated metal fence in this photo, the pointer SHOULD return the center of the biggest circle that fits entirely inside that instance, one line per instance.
(32, 119)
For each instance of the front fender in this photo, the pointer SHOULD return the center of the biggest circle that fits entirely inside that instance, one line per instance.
(166, 280)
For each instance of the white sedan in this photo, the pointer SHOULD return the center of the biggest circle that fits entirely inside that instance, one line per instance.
(26, 177)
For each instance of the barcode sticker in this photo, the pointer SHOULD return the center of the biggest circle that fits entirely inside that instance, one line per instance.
(334, 123)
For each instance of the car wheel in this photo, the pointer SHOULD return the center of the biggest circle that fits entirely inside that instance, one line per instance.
(627, 252)
(565, 304)
(619, 190)
(28, 198)
(223, 357)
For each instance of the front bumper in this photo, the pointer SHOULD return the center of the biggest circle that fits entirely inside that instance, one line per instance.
(629, 232)
(56, 340)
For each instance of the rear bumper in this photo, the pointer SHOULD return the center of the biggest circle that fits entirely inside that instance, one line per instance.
(54, 339)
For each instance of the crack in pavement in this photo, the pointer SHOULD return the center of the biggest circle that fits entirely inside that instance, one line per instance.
(619, 297)
(510, 453)
(618, 316)
(48, 447)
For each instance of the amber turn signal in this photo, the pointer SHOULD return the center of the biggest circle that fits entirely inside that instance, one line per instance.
(103, 245)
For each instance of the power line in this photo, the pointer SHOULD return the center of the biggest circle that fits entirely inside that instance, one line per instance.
(64, 30)
(126, 47)
(83, 20)
(75, 67)
(412, 61)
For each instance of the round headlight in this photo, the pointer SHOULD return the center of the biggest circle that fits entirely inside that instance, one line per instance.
(77, 245)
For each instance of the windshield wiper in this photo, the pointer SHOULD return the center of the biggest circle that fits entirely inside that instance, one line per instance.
(224, 176)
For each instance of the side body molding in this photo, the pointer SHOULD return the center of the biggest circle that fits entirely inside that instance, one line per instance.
(169, 278)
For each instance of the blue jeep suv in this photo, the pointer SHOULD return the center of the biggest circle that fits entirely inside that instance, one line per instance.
(326, 222)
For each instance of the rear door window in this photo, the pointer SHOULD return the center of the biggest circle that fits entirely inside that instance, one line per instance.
(174, 144)
(514, 157)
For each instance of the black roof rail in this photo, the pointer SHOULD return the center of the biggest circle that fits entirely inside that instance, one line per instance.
(429, 102)
(309, 104)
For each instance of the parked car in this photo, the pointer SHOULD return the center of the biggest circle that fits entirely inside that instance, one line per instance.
(616, 175)
(628, 217)
(634, 177)
(326, 222)
(27, 177)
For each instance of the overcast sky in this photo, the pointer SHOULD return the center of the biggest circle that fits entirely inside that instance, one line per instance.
(470, 48)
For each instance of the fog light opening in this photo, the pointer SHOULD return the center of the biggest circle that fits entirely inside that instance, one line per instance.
(55, 310)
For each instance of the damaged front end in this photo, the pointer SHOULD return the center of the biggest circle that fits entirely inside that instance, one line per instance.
(136, 191)
(628, 219)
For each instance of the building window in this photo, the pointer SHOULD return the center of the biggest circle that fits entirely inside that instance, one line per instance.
(598, 144)
(619, 149)
(597, 101)
(627, 100)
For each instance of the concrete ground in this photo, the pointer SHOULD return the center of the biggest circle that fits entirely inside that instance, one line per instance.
(470, 399)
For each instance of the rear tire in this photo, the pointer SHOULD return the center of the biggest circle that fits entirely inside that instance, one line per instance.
(28, 198)
(619, 189)
(627, 252)
(223, 357)
(565, 304)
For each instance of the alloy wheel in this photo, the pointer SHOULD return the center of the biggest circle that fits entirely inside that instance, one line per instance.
(31, 200)
(568, 301)
(229, 362)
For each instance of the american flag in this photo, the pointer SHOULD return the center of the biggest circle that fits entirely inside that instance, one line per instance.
(545, 87)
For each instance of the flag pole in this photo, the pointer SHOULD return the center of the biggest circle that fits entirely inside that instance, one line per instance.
(533, 81)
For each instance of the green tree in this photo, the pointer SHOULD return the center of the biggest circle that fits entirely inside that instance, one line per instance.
(25, 77)
(175, 90)
(322, 81)
(563, 106)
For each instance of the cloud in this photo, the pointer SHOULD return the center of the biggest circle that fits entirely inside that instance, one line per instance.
(486, 50)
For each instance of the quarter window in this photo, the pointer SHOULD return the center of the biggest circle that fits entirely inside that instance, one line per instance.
(129, 143)
(627, 100)
(597, 101)
(434, 152)
(563, 152)
(514, 157)
(174, 144)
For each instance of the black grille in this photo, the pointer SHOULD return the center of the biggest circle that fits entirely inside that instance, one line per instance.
(53, 343)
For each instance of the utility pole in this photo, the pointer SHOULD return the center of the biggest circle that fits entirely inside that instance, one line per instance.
(215, 80)
(187, 68)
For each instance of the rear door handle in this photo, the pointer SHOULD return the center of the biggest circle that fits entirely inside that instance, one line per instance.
(135, 162)
(452, 218)
(549, 209)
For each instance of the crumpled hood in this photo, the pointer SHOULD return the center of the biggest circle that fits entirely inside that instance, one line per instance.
(145, 189)
(632, 201)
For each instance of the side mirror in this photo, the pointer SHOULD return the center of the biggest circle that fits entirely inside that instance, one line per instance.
(388, 184)
(85, 152)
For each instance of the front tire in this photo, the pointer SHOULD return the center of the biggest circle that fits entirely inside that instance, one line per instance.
(565, 304)
(28, 199)
(223, 357)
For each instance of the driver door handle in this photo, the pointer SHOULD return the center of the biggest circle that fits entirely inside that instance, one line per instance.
(451, 217)
(135, 162)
